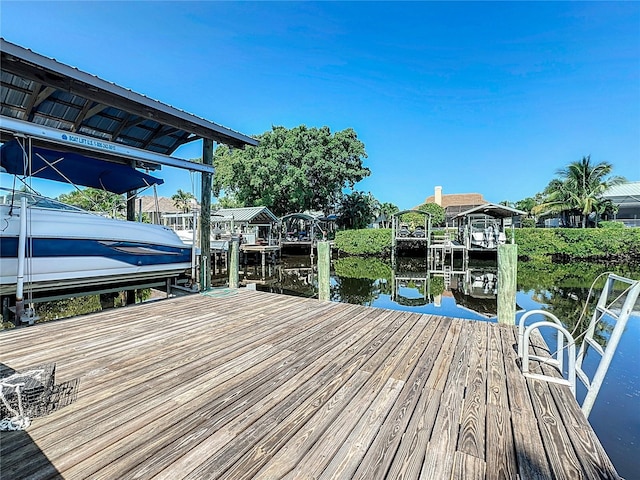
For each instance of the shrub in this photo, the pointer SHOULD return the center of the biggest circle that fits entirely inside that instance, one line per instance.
(585, 244)
(610, 224)
(365, 242)
(436, 211)
(528, 222)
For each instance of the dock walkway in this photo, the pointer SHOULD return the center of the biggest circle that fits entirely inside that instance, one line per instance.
(252, 385)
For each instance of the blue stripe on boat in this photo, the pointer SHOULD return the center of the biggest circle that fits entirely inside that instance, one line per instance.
(132, 253)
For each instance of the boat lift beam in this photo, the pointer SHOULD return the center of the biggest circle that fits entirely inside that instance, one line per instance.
(110, 150)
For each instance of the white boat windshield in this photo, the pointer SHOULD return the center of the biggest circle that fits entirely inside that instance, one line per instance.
(13, 197)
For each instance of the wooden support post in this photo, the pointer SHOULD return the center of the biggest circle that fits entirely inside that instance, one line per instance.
(234, 264)
(393, 242)
(205, 218)
(130, 297)
(131, 205)
(324, 270)
(507, 283)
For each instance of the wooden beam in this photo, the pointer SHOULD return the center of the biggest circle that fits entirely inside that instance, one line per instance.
(324, 270)
(144, 107)
(87, 112)
(159, 132)
(205, 218)
(81, 115)
(43, 95)
(128, 121)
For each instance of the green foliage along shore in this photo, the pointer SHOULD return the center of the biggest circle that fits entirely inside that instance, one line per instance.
(367, 242)
(588, 245)
(540, 244)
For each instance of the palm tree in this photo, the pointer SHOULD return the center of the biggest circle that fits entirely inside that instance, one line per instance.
(388, 209)
(182, 200)
(586, 183)
(357, 209)
(556, 199)
(579, 189)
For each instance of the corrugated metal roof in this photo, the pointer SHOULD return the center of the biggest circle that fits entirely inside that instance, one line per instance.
(629, 189)
(255, 215)
(493, 210)
(46, 92)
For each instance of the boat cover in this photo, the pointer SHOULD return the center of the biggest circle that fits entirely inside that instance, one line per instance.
(75, 168)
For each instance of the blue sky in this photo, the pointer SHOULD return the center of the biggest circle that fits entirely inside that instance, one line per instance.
(475, 97)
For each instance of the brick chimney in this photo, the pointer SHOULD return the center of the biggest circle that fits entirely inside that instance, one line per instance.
(438, 196)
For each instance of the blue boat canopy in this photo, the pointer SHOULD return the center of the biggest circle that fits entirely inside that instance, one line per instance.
(75, 168)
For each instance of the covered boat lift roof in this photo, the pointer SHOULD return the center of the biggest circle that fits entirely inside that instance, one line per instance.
(45, 103)
(61, 107)
(493, 210)
(249, 215)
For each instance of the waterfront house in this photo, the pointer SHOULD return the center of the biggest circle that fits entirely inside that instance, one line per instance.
(156, 210)
(626, 197)
(455, 203)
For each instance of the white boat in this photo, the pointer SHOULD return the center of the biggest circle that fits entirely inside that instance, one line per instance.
(69, 247)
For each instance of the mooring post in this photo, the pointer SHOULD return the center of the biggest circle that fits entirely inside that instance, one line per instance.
(507, 277)
(234, 263)
(324, 269)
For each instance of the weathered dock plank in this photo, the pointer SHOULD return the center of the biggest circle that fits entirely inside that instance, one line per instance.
(254, 385)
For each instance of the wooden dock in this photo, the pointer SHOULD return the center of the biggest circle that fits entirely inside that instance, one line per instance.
(244, 384)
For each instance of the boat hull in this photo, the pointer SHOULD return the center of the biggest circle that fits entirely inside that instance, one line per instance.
(69, 248)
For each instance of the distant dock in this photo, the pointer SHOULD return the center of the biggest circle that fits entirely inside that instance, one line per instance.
(241, 384)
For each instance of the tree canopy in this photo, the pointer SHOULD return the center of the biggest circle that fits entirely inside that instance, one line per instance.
(579, 188)
(96, 200)
(183, 200)
(387, 209)
(436, 211)
(292, 170)
(357, 210)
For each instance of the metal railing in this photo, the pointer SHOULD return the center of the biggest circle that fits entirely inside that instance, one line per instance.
(616, 311)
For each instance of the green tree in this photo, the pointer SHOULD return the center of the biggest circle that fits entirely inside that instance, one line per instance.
(96, 200)
(436, 211)
(526, 204)
(555, 199)
(292, 170)
(388, 209)
(228, 201)
(357, 210)
(587, 182)
(183, 200)
(579, 188)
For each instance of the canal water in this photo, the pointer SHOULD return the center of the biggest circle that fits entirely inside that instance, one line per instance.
(472, 294)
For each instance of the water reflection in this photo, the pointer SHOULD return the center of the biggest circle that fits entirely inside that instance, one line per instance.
(470, 293)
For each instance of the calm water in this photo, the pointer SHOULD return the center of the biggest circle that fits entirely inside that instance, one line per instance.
(471, 294)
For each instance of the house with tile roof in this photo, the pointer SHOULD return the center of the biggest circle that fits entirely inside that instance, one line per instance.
(455, 203)
(156, 208)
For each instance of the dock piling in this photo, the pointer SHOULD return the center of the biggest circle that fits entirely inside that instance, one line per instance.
(234, 263)
(324, 269)
(507, 283)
